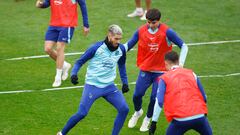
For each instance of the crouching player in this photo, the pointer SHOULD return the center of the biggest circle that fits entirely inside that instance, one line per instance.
(103, 57)
(183, 98)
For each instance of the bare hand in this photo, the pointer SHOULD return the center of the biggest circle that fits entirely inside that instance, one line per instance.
(85, 31)
(39, 3)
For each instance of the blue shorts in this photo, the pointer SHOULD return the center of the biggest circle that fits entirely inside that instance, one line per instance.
(59, 34)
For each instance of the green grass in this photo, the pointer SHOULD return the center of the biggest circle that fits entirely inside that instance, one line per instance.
(23, 27)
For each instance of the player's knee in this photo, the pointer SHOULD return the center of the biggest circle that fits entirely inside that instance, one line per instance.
(137, 97)
(124, 110)
(82, 112)
(80, 115)
(48, 50)
(60, 47)
(152, 99)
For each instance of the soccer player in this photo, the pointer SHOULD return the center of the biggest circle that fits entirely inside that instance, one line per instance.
(103, 58)
(183, 98)
(154, 41)
(139, 10)
(64, 19)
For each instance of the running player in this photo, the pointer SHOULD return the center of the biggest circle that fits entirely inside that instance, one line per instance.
(64, 18)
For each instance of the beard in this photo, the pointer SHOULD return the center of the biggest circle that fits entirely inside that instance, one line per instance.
(110, 45)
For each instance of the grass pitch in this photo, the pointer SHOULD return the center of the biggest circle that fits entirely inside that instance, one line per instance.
(23, 27)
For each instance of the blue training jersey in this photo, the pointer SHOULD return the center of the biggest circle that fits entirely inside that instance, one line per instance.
(101, 70)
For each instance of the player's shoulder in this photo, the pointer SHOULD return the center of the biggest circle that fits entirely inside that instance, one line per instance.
(121, 45)
(95, 46)
(143, 27)
(123, 48)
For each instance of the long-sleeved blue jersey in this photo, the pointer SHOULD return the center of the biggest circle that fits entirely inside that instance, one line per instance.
(101, 70)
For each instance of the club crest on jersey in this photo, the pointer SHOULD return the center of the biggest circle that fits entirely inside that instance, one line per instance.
(117, 53)
(58, 2)
(142, 74)
(153, 47)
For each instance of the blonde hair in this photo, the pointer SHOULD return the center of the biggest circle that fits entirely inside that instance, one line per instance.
(115, 29)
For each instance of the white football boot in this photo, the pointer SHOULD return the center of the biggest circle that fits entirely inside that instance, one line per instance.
(137, 12)
(65, 71)
(133, 121)
(57, 83)
(143, 18)
(59, 133)
(145, 124)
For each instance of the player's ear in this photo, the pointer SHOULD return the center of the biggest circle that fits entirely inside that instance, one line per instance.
(109, 36)
(167, 64)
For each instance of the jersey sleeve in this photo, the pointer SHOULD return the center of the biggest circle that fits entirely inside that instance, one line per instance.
(161, 92)
(200, 87)
(159, 100)
(83, 7)
(133, 41)
(122, 66)
(157, 111)
(201, 90)
(46, 4)
(174, 38)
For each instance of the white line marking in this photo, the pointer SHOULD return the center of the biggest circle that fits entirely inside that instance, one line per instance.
(41, 56)
(62, 88)
(75, 87)
(217, 76)
(18, 91)
(77, 53)
(214, 42)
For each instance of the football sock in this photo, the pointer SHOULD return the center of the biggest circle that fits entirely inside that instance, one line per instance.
(64, 64)
(59, 74)
(147, 119)
(138, 112)
(139, 9)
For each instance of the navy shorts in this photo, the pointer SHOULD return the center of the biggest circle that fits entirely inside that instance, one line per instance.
(59, 34)
(200, 125)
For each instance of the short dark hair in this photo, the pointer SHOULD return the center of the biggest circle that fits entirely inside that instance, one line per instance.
(153, 14)
(172, 56)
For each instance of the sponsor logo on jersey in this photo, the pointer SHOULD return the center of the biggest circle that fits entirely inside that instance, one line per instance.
(108, 64)
(153, 47)
(58, 2)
